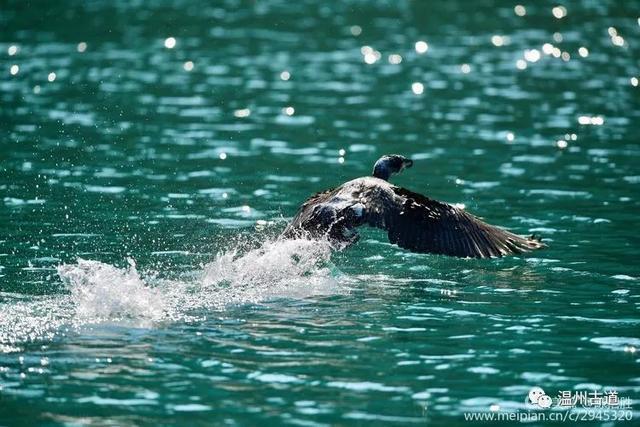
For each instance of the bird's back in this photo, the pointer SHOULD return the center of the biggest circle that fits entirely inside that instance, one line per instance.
(332, 208)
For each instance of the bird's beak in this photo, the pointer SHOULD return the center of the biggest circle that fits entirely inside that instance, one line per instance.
(407, 163)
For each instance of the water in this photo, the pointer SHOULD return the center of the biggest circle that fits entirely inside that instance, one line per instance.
(142, 187)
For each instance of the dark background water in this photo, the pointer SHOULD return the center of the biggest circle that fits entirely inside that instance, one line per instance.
(171, 155)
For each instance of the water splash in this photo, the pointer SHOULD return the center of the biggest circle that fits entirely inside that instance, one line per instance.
(277, 269)
(279, 264)
(103, 293)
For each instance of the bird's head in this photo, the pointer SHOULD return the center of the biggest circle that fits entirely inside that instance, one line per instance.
(389, 165)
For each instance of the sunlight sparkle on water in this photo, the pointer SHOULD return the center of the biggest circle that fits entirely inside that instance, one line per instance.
(520, 10)
(510, 136)
(559, 12)
(583, 52)
(222, 155)
(370, 55)
(51, 77)
(421, 46)
(243, 112)
(634, 81)
(170, 42)
(497, 40)
(532, 55)
(417, 88)
(370, 58)
(14, 69)
(395, 59)
(591, 120)
(12, 50)
(617, 40)
(188, 66)
(356, 30)
(285, 75)
(289, 111)
(82, 46)
(465, 68)
(521, 64)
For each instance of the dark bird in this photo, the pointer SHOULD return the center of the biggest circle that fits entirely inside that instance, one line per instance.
(412, 221)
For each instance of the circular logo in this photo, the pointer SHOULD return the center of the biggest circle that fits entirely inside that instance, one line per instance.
(539, 398)
(544, 401)
(534, 395)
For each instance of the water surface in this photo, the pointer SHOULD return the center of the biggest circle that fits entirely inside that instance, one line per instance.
(151, 151)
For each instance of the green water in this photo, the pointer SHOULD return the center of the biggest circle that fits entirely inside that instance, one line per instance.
(183, 161)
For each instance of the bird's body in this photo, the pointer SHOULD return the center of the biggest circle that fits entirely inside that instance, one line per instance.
(412, 221)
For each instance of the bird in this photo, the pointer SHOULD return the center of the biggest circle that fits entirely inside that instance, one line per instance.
(412, 221)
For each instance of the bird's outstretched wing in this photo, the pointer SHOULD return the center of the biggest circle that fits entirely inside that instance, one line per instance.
(421, 224)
